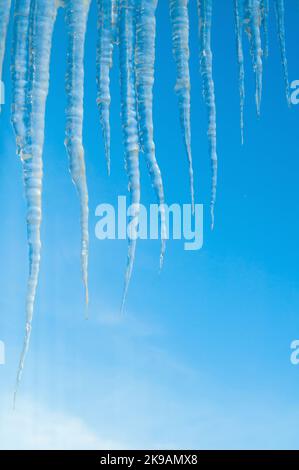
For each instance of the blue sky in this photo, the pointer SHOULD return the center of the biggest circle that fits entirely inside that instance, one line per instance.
(202, 357)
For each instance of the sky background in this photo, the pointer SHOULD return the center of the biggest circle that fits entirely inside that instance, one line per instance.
(201, 358)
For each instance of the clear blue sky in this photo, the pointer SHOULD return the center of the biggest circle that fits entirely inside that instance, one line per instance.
(201, 358)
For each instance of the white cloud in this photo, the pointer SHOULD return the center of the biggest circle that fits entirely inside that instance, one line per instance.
(37, 428)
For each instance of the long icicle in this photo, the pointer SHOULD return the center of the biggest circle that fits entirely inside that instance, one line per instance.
(107, 31)
(129, 123)
(254, 31)
(264, 21)
(279, 10)
(4, 18)
(240, 55)
(76, 19)
(30, 75)
(206, 66)
(180, 45)
(144, 69)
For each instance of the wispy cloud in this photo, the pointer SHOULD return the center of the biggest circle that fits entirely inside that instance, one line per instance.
(35, 427)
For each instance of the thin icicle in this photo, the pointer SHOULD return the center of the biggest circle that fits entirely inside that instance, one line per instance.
(76, 19)
(129, 122)
(30, 76)
(144, 68)
(206, 65)
(107, 35)
(253, 16)
(115, 8)
(279, 10)
(264, 19)
(180, 45)
(240, 55)
(257, 47)
(4, 18)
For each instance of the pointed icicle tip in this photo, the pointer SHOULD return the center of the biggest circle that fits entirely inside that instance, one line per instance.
(162, 255)
(144, 81)
(127, 33)
(31, 60)
(179, 17)
(206, 67)
(76, 20)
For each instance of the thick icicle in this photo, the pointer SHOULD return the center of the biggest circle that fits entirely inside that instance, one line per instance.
(129, 121)
(19, 70)
(144, 69)
(206, 64)
(253, 14)
(107, 35)
(264, 21)
(279, 10)
(240, 55)
(30, 77)
(180, 41)
(4, 18)
(76, 19)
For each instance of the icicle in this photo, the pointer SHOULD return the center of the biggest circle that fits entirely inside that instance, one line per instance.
(257, 47)
(76, 18)
(4, 18)
(253, 15)
(30, 76)
(114, 20)
(279, 10)
(180, 44)
(240, 55)
(107, 35)
(265, 17)
(19, 70)
(129, 121)
(144, 69)
(206, 60)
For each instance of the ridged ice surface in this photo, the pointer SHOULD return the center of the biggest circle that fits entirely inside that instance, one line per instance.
(107, 35)
(33, 28)
(206, 66)
(76, 20)
(4, 18)
(180, 45)
(144, 66)
(238, 9)
(20, 70)
(279, 10)
(129, 119)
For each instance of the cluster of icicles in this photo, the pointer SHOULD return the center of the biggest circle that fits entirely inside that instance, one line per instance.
(130, 24)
